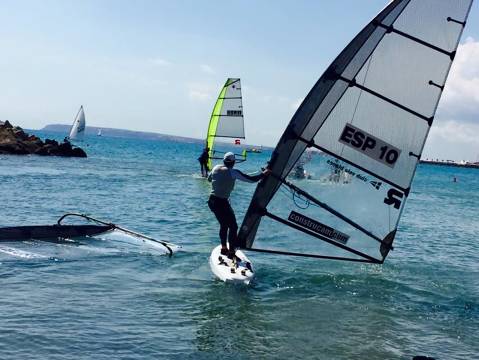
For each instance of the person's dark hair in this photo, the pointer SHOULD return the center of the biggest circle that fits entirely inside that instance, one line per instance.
(229, 164)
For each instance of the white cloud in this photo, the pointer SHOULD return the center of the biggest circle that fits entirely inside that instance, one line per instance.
(159, 61)
(200, 91)
(455, 140)
(456, 132)
(461, 94)
(275, 99)
(207, 69)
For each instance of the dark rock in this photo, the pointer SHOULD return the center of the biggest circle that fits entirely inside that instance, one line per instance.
(44, 150)
(65, 147)
(78, 152)
(7, 125)
(20, 134)
(13, 148)
(13, 140)
(51, 142)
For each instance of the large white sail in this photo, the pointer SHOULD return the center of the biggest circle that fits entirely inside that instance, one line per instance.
(370, 114)
(78, 128)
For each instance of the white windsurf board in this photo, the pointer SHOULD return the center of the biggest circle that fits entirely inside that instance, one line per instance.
(227, 270)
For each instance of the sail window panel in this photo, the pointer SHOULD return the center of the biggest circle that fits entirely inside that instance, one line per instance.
(400, 70)
(273, 235)
(234, 89)
(354, 193)
(294, 155)
(386, 123)
(427, 20)
(355, 198)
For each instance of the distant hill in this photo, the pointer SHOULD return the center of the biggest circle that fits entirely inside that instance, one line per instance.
(121, 133)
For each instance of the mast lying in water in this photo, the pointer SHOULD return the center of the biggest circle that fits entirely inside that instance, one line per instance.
(60, 232)
(370, 114)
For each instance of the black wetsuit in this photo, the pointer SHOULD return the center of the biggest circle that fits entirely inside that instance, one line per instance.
(203, 159)
(223, 181)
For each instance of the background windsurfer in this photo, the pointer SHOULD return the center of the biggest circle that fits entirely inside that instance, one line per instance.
(222, 179)
(203, 159)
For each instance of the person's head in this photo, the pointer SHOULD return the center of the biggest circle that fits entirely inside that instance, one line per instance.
(229, 159)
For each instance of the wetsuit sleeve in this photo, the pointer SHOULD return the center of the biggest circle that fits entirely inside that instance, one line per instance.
(238, 175)
(210, 177)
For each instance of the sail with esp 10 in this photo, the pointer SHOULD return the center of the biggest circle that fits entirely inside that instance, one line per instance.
(369, 114)
(226, 120)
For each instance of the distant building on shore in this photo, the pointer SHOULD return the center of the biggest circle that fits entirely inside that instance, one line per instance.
(462, 163)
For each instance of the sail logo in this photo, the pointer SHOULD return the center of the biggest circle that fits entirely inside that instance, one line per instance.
(394, 198)
(234, 113)
(376, 184)
(369, 145)
(317, 227)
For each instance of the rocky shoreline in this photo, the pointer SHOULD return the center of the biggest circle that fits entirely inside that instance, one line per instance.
(14, 141)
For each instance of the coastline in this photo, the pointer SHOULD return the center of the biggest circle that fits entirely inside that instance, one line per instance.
(450, 163)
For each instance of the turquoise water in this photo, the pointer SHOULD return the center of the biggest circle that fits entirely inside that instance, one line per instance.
(128, 302)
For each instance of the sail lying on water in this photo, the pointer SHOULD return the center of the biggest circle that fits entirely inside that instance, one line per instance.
(78, 128)
(227, 118)
(369, 114)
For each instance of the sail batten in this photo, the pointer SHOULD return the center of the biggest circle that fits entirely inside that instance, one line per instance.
(370, 114)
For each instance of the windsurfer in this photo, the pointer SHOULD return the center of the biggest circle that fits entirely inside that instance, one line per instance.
(203, 159)
(222, 179)
(298, 171)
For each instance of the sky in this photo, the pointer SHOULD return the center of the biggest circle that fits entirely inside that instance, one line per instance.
(159, 65)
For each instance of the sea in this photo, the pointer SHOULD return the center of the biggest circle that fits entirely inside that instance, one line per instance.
(123, 299)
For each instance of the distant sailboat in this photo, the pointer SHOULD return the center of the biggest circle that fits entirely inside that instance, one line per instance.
(99, 132)
(255, 149)
(78, 128)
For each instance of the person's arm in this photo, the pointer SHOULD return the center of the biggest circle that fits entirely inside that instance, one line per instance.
(238, 175)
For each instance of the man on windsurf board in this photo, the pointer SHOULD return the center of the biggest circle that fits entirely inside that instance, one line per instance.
(203, 159)
(223, 178)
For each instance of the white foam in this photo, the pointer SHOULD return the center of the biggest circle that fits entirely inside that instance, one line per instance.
(20, 253)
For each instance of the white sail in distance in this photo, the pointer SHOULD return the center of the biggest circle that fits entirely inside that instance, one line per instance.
(78, 128)
(369, 114)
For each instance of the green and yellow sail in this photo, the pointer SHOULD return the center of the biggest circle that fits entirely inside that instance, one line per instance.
(227, 118)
